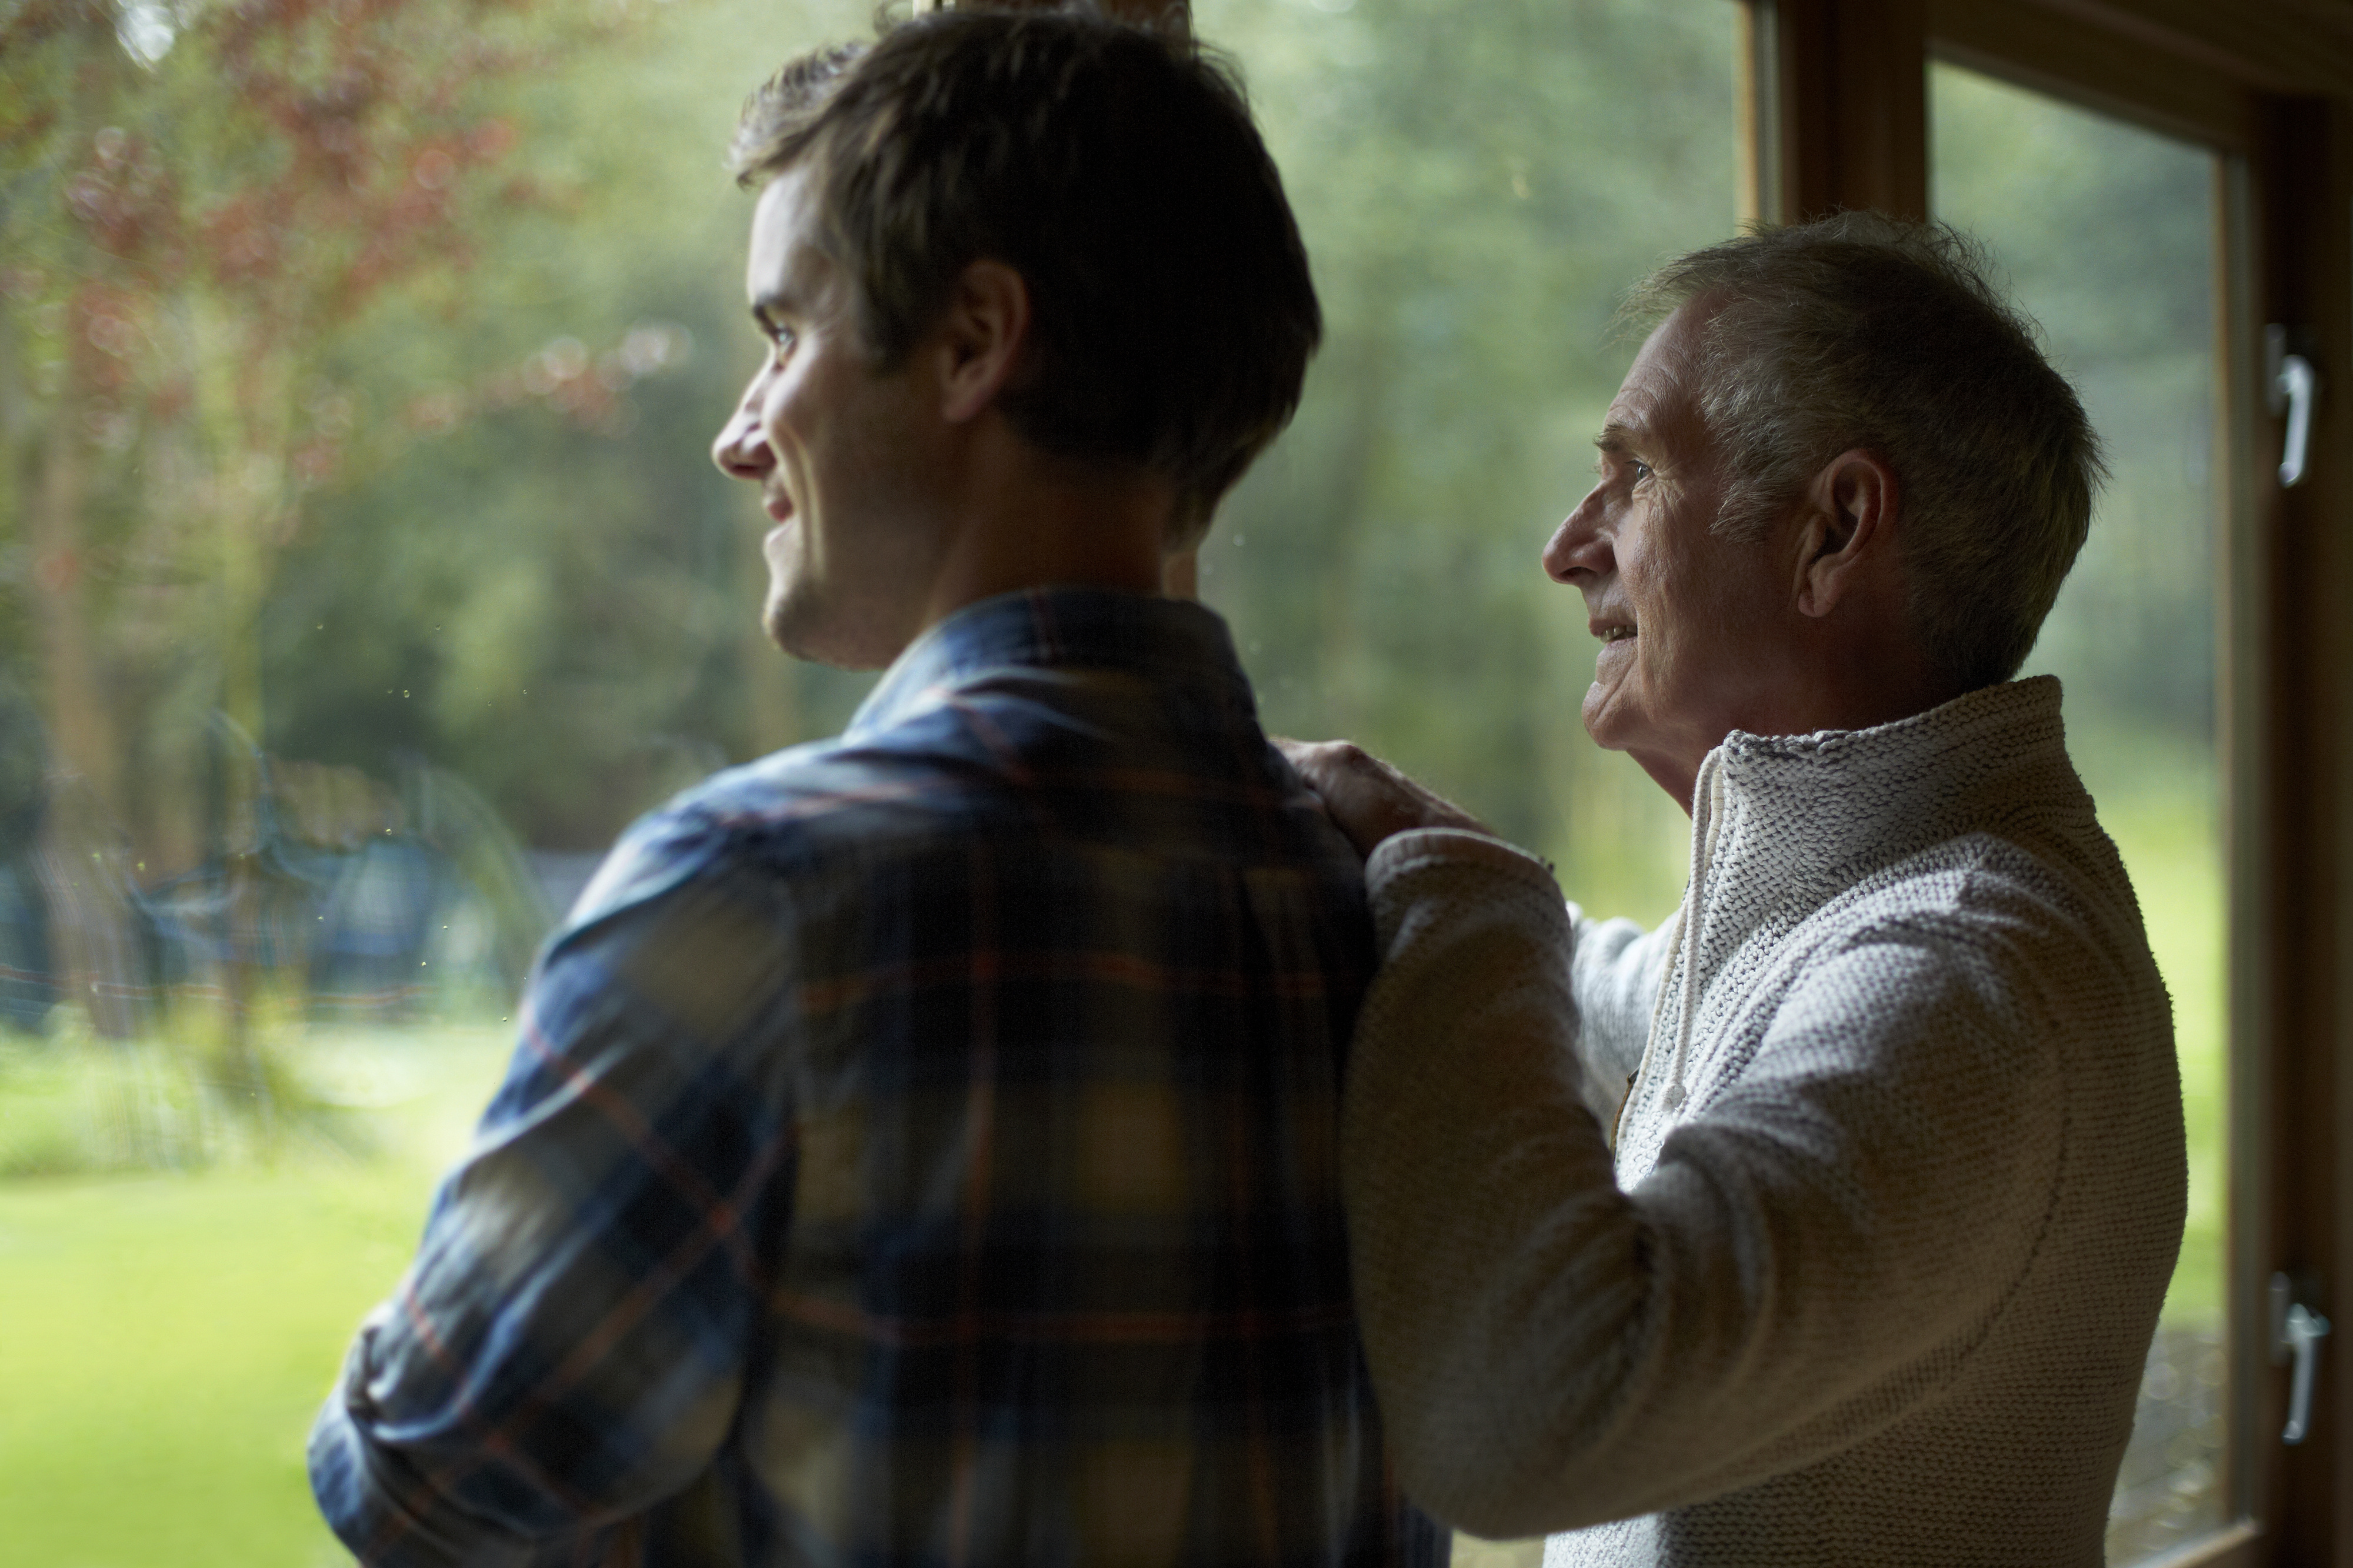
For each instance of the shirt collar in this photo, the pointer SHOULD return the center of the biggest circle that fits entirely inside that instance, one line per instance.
(1060, 627)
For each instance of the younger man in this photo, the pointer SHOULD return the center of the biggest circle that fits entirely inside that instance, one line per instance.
(921, 1145)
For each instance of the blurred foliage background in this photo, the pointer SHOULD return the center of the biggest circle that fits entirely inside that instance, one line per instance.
(374, 413)
(365, 574)
(1477, 199)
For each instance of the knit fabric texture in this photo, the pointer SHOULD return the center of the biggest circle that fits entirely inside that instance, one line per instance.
(1896, 1189)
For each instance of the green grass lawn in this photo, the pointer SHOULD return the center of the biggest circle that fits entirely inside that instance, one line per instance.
(165, 1340)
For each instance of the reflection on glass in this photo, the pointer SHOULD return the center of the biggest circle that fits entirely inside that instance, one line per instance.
(2107, 233)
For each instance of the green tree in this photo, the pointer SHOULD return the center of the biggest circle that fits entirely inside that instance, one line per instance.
(197, 210)
(1475, 198)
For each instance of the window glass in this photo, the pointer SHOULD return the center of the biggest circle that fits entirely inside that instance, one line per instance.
(2108, 233)
(1477, 199)
(364, 574)
(1477, 190)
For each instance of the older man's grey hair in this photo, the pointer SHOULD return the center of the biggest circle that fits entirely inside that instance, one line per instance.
(1860, 330)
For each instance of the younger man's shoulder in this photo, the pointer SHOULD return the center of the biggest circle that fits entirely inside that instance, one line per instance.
(799, 808)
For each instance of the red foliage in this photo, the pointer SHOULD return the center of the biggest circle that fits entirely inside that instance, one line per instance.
(344, 163)
(285, 161)
(128, 202)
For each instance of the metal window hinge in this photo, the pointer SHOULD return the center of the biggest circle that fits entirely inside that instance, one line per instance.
(2291, 387)
(2296, 1333)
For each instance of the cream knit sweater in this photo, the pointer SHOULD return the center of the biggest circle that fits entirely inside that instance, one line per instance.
(1895, 1192)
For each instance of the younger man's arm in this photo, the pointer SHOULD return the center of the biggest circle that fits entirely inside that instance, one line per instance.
(567, 1347)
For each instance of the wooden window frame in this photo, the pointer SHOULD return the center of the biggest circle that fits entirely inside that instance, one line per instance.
(1838, 119)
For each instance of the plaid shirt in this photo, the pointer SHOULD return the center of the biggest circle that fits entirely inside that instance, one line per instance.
(919, 1149)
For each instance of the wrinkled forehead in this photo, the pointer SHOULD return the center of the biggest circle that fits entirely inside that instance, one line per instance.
(1660, 395)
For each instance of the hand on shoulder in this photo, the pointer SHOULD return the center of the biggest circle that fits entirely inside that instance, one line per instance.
(1368, 799)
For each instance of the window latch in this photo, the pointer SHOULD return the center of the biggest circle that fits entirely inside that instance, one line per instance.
(2296, 1333)
(2290, 385)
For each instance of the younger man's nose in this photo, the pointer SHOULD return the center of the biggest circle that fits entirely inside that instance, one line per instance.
(742, 451)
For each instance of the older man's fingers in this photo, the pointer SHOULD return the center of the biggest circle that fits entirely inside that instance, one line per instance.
(1366, 797)
(1320, 762)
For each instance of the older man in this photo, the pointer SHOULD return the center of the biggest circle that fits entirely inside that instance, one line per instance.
(1828, 1224)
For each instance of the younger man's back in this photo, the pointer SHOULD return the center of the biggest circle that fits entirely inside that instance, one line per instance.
(996, 1047)
(921, 1145)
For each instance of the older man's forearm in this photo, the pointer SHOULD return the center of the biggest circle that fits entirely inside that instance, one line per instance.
(1474, 1010)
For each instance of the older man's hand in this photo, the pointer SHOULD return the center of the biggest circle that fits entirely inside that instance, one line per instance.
(1369, 799)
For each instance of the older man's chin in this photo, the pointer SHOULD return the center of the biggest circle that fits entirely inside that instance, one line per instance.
(1615, 731)
(1600, 715)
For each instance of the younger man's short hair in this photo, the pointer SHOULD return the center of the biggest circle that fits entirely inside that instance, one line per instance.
(1117, 169)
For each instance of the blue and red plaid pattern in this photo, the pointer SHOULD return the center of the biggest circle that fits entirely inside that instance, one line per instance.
(920, 1149)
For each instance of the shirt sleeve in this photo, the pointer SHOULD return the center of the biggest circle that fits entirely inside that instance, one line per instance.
(568, 1346)
(1811, 1255)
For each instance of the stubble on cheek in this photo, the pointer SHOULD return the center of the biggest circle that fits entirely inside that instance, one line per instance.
(782, 549)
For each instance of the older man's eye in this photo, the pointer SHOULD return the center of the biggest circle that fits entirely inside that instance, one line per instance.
(1640, 470)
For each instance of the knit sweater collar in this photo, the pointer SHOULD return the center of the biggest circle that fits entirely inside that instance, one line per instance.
(1835, 803)
(1783, 823)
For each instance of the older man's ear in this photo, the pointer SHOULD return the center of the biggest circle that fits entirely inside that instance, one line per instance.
(1847, 535)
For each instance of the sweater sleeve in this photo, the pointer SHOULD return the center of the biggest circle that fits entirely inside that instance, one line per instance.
(1806, 1263)
(1614, 968)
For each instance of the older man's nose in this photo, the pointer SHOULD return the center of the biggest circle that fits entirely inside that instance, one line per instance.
(1576, 547)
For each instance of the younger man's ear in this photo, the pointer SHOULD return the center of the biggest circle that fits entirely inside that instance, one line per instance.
(1847, 542)
(977, 344)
